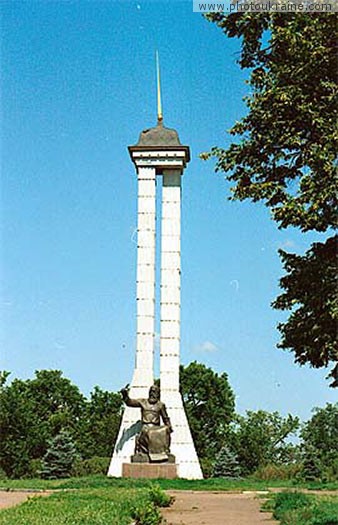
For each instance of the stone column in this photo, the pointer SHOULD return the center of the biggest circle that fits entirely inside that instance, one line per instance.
(145, 293)
(182, 445)
(145, 282)
(170, 281)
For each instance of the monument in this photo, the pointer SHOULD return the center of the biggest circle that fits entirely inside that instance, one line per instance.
(158, 153)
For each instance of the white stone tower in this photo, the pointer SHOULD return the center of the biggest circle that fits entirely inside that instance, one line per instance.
(158, 153)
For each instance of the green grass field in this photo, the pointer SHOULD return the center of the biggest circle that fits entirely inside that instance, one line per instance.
(100, 506)
(101, 481)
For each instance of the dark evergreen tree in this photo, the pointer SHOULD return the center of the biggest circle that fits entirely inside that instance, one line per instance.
(311, 470)
(320, 444)
(226, 465)
(59, 458)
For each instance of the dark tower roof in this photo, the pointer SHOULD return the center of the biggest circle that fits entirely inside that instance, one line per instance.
(159, 136)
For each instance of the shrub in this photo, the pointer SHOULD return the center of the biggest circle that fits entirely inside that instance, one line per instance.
(330, 472)
(146, 514)
(226, 464)
(325, 514)
(159, 497)
(294, 508)
(272, 472)
(34, 468)
(90, 467)
(207, 466)
(288, 501)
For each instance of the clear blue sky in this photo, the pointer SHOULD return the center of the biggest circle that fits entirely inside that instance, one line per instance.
(78, 86)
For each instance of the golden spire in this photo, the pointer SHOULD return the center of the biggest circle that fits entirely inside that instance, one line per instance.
(159, 102)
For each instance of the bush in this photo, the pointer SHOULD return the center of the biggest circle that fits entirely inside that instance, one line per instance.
(294, 508)
(330, 472)
(287, 501)
(146, 514)
(34, 468)
(325, 514)
(273, 472)
(207, 466)
(90, 467)
(159, 497)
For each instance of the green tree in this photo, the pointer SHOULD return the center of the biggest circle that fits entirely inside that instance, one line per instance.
(311, 464)
(320, 443)
(31, 413)
(312, 328)
(226, 464)
(261, 438)
(59, 404)
(60, 456)
(210, 406)
(19, 428)
(101, 423)
(285, 156)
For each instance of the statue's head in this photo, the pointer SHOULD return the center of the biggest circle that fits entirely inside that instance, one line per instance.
(154, 394)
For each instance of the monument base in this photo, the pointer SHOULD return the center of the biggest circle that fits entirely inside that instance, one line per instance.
(159, 458)
(149, 470)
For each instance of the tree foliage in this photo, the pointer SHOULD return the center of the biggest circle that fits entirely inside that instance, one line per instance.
(310, 292)
(261, 438)
(226, 464)
(19, 428)
(58, 405)
(34, 411)
(60, 456)
(286, 151)
(320, 443)
(101, 423)
(210, 406)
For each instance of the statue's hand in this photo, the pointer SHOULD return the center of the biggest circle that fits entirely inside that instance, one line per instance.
(125, 391)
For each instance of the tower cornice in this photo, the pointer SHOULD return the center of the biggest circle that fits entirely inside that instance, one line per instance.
(160, 157)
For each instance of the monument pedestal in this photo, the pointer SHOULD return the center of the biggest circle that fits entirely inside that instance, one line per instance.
(144, 458)
(149, 470)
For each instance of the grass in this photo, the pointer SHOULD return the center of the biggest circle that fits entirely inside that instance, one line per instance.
(295, 508)
(100, 481)
(119, 506)
(98, 500)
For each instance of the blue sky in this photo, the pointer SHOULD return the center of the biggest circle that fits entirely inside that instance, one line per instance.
(78, 86)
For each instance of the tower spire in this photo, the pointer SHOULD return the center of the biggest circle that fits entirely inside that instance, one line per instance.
(159, 101)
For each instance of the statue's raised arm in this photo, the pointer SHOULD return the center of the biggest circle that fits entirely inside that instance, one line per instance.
(136, 403)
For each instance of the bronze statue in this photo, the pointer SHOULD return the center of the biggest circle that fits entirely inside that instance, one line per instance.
(153, 442)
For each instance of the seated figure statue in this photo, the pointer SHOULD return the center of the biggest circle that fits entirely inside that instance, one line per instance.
(153, 442)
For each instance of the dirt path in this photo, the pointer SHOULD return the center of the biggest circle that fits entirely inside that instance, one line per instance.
(215, 508)
(9, 499)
